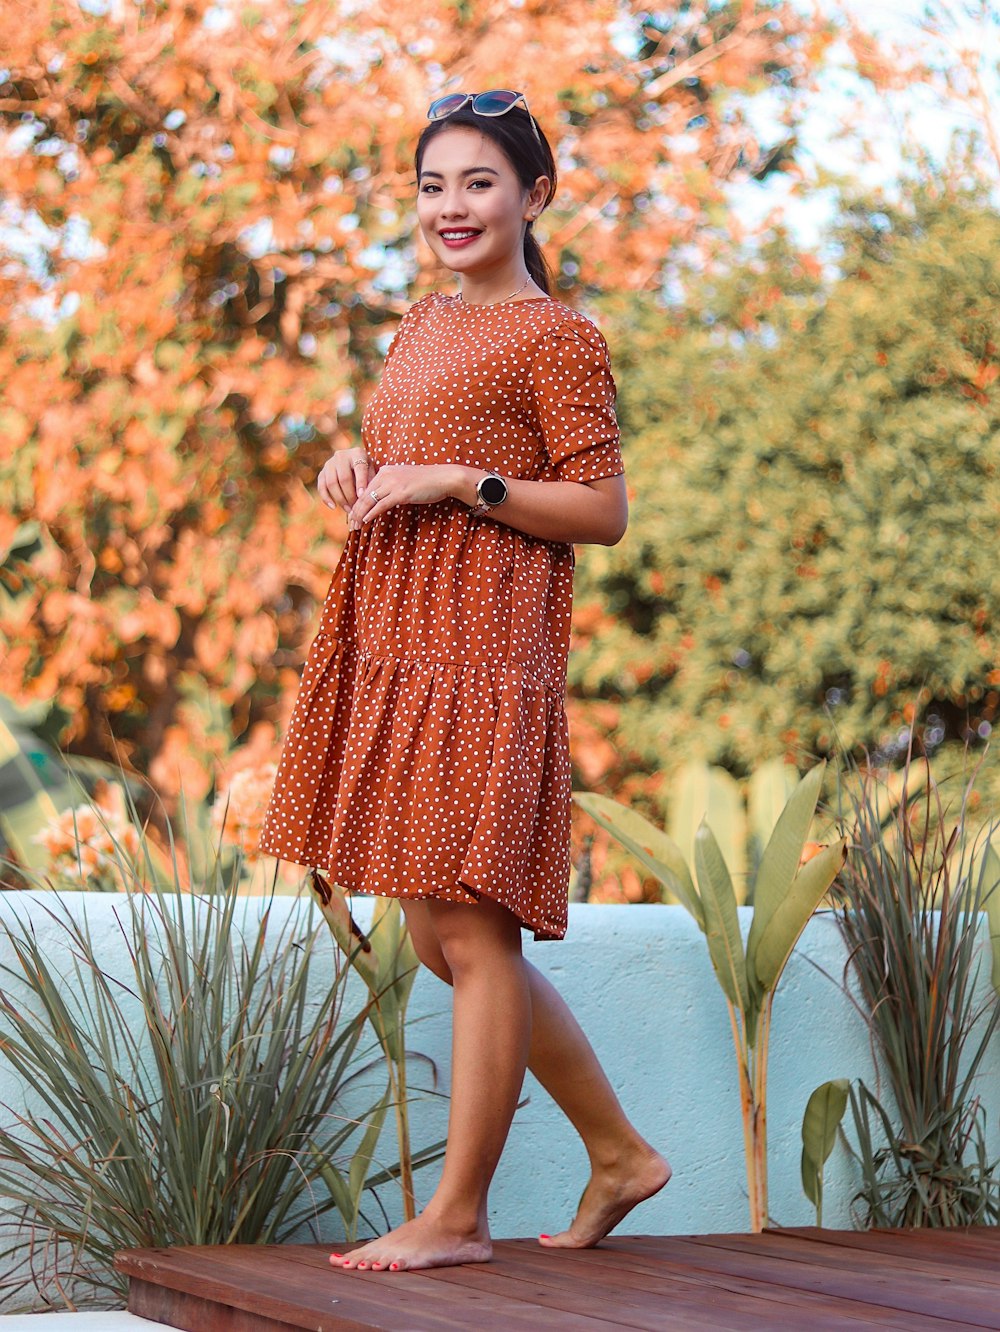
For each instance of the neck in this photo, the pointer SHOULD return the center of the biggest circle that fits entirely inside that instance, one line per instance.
(487, 290)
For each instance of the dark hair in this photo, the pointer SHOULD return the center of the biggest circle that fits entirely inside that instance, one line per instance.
(513, 135)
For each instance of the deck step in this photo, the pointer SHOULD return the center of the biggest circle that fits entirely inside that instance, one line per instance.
(823, 1280)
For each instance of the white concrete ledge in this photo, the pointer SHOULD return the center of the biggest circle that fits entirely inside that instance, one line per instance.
(81, 1322)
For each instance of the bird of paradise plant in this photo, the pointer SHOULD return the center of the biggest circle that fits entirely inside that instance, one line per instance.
(792, 879)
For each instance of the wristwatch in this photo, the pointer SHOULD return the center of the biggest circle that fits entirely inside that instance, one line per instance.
(491, 490)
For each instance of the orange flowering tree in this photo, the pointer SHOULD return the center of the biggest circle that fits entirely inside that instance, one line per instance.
(208, 238)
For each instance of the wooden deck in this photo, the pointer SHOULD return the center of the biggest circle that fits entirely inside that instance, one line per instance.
(797, 1279)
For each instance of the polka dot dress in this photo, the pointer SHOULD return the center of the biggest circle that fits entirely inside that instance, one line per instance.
(427, 754)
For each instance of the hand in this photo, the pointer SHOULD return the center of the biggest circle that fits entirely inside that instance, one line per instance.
(344, 477)
(403, 484)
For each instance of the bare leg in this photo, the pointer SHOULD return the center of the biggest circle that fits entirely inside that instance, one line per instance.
(625, 1169)
(482, 948)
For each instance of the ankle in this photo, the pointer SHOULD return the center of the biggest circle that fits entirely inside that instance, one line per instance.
(618, 1153)
(457, 1218)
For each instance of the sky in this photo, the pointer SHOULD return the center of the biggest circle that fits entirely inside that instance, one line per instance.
(842, 94)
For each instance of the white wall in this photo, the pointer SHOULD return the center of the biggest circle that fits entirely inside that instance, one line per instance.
(639, 980)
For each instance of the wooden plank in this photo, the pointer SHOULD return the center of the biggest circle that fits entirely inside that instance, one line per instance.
(263, 1280)
(682, 1302)
(254, 1281)
(978, 1247)
(826, 1281)
(733, 1255)
(903, 1264)
(192, 1313)
(813, 1309)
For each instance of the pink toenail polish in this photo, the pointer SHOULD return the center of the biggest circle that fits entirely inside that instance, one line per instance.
(394, 1267)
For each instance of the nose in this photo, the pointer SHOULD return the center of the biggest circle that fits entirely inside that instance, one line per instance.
(452, 206)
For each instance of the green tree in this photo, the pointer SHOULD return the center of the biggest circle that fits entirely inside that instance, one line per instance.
(815, 536)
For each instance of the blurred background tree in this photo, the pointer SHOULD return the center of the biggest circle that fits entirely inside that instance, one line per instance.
(208, 237)
(815, 536)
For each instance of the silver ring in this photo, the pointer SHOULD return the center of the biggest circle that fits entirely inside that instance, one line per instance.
(373, 494)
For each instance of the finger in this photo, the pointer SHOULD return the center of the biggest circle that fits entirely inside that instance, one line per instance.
(374, 498)
(330, 483)
(363, 472)
(382, 505)
(354, 472)
(324, 490)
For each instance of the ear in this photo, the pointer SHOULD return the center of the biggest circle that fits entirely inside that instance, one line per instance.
(537, 195)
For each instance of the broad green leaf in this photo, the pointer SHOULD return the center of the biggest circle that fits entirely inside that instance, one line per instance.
(789, 920)
(824, 1111)
(722, 925)
(337, 1188)
(363, 1157)
(658, 852)
(780, 859)
(770, 785)
(705, 791)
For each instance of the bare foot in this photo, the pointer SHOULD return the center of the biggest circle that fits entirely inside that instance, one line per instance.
(423, 1242)
(609, 1197)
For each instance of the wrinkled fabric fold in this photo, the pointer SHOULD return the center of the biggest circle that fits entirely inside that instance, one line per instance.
(380, 750)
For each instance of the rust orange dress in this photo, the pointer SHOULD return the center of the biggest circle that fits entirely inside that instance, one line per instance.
(427, 754)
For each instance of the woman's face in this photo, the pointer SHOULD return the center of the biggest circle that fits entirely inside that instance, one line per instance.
(471, 205)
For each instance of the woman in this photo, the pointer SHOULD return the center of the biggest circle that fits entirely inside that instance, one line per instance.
(427, 755)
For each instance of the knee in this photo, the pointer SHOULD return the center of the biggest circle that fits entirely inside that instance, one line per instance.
(432, 957)
(425, 941)
(467, 946)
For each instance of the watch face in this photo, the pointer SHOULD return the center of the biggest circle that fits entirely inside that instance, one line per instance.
(493, 489)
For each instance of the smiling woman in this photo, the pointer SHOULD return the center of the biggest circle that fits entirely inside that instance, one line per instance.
(427, 757)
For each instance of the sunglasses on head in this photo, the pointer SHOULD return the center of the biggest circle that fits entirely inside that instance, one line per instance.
(496, 102)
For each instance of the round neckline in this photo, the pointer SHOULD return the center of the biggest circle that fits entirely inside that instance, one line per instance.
(493, 305)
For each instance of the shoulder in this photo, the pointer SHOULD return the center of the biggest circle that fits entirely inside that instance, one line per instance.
(572, 329)
(412, 318)
(418, 311)
(570, 339)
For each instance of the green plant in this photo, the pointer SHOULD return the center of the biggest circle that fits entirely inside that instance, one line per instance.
(741, 824)
(387, 962)
(911, 914)
(37, 786)
(786, 894)
(197, 1100)
(824, 1111)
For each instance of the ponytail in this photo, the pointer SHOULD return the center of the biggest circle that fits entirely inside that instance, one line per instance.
(535, 262)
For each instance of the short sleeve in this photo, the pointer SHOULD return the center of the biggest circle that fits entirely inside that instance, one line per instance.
(410, 318)
(574, 394)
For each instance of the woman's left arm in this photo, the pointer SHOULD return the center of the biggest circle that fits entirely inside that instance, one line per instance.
(578, 512)
(581, 512)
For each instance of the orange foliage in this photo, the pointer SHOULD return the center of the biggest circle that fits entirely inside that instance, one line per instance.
(210, 314)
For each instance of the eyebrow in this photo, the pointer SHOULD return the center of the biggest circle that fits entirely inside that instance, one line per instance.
(469, 171)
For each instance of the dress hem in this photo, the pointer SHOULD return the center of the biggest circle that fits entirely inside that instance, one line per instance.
(540, 931)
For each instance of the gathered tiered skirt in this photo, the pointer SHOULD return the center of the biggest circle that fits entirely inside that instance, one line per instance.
(410, 771)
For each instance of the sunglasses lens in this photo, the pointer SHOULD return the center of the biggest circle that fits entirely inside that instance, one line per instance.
(444, 106)
(495, 102)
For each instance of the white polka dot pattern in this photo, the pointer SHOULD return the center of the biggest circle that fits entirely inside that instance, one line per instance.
(428, 753)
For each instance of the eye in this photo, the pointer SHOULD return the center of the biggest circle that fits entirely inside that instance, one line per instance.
(425, 189)
(487, 183)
